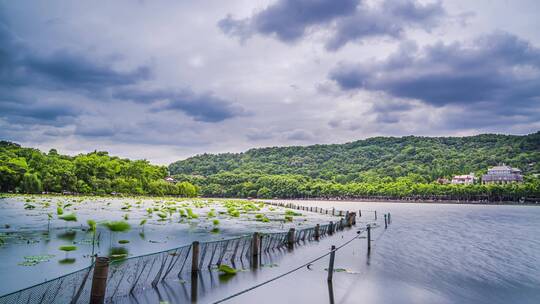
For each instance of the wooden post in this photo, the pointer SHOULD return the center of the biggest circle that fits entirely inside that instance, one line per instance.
(195, 257)
(385, 222)
(333, 211)
(255, 247)
(194, 286)
(331, 264)
(359, 213)
(317, 232)
(290, 237)
(99, 280)
(389, 220)
(331, 228)
(375, 214)
(368, 238)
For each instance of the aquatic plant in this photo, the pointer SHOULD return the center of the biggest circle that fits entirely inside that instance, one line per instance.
(91, 225)
(225, 269)
(118, 253)
(215, 222)
(288, 218)
(126, 216)
(67, 261)
(71, 217)
(211, 213)
(32, 260)
(162, 215)
(59, 210)
(292, 213)
(123, 242)
(215, 230)
(67, 248)
(190, 213)
(49, 218)
(142, 223)
(117, 226)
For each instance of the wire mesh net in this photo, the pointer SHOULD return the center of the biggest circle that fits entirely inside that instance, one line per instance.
(71, 288)
(127, 276)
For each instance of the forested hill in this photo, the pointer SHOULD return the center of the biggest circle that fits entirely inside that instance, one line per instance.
(29, 170)
(429, 157)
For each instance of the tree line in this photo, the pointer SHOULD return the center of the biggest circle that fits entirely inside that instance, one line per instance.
(412, 186)
(27, 170)
(388, 167)
(392, 157)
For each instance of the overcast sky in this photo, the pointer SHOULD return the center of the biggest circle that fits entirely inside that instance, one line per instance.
(164, 80)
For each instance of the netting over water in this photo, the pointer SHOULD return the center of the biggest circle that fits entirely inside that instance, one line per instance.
(130, 276)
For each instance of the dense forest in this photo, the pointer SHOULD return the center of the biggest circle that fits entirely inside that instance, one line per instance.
(382, 166)
(29, 170)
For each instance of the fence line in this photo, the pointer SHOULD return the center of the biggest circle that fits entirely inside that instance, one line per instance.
(127, 276)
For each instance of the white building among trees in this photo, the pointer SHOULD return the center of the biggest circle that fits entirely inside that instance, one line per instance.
(467, 179)
(502, 174)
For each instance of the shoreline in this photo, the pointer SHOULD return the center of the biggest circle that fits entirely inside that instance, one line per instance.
(355, 200)
(404, 201)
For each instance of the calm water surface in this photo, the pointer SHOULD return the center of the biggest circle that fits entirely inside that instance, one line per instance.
(432, 253)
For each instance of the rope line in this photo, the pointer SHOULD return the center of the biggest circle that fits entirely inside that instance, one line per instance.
(290, 271)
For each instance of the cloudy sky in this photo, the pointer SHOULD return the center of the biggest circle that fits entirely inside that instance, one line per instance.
(164, 80)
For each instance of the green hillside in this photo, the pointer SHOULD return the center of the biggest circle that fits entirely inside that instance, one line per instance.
(387, 167)
(29, 170)
(430, 157)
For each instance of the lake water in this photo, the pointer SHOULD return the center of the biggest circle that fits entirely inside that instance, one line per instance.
(431, 253)
(27, 235)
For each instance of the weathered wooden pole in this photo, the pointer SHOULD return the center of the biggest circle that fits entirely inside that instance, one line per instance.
(99, 280)
(317, 232)
(359, 213)
(385, 222)
(256, 246)
(389, 220)
(194, 286)
(375, 214)
(331, 228)
(195, 248)
(331, 263)
(290, 238)
(368, 238)
(333, 211)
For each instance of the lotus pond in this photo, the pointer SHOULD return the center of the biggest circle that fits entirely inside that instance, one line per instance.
(43, 237)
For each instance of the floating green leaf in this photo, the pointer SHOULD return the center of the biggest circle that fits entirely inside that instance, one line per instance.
(227, 269)
(71, 217)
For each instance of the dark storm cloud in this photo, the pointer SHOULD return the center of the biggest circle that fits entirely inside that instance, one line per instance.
(18, 110)
(349, 20)
(390, 19)
(205, 107)
(21, 66)
(499, 71)
(289, 19)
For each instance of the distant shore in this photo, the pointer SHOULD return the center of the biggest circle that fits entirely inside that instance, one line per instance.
(417, 201)
(525, 202)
